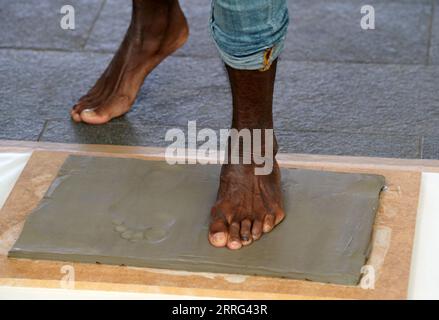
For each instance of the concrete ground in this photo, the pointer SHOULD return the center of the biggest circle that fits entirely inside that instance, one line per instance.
(340, 89)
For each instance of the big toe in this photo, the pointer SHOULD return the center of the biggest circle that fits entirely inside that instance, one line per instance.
(218, 234)
(268, 223)
(279, 215)
(92, 116)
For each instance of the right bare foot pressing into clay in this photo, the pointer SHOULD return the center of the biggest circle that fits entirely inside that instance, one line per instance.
(157, 29)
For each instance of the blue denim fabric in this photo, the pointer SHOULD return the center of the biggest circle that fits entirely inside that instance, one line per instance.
(249, 34)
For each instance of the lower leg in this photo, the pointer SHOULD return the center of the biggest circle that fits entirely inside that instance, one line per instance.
(157, 29)
(250, 36)
(248, 205)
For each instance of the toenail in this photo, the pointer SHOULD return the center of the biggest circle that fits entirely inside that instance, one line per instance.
(218, 237)
(234, 244)
(89, 111)
(267, 228)
(244, 238)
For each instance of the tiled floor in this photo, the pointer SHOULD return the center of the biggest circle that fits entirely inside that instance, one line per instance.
(340, 89)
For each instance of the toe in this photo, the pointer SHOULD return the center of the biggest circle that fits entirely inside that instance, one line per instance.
(279, 215)
(75, 110)
(218, 233)
(268, 223)
(234, 242)
(246, 237)
(75, 116)
(103, 111)
(82, 103)
(79, 107)
(257, 229)
(92, 116)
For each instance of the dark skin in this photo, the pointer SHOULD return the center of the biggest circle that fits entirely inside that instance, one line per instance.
(247, 205)
(157, 29)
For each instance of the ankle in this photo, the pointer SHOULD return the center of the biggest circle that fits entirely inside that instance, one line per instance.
(149, 18)
(244, 146)
(156, 24)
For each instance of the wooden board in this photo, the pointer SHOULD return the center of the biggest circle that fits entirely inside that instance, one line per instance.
(390, 257)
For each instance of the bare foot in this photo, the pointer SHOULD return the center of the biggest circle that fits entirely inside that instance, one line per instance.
(157, 29)
(247, 206)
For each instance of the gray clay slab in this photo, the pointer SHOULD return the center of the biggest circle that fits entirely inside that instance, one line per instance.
(151, 214)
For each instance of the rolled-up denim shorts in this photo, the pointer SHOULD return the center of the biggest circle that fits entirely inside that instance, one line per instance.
(249, 34)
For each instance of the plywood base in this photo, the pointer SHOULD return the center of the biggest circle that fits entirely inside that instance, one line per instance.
(390, 258)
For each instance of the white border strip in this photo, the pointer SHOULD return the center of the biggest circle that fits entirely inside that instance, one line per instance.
(11, 166)
(424, 275)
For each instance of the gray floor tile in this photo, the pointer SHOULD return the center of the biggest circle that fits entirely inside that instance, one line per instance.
(434, 50)
(46, 85)
(114, 20)
(114, 133)
(309, 96)
(20, 129)
(200, 43)
(322, 30)
(36, 24)
(111, 26)
(351, 144)
(358, 98)
(123, 132)
(430, 148)
(126, 132)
